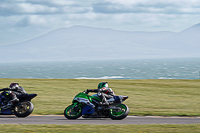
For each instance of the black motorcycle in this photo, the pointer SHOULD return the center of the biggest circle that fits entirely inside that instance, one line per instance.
(23, 108)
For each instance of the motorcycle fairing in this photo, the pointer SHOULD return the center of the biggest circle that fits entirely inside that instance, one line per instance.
(24, 97)
(83, 100)
(115, 99)
(87, 110)
(5, 111)
(96, 97)
(118, 99)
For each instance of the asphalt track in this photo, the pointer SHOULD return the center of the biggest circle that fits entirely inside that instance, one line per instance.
(59, 119)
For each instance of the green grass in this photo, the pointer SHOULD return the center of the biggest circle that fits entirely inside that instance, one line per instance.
(190, 128)
(146, 97)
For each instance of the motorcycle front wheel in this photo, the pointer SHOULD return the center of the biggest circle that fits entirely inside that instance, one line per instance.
(72, 112)
(24, 109)
(119, 113)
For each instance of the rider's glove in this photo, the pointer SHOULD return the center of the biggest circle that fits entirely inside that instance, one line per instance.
(99, 94)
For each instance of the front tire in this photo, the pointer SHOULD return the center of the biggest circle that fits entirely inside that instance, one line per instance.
(24, 109)
(120, 113)
(72, 112)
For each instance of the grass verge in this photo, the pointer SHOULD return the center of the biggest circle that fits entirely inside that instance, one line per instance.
(190, 128)
(146, 97)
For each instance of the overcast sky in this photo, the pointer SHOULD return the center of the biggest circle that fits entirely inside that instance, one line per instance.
(21, 20)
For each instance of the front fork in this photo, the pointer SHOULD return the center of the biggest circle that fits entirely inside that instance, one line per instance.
(75, 106)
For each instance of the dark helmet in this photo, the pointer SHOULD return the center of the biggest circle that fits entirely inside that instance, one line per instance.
(102, 84)
(14, 85)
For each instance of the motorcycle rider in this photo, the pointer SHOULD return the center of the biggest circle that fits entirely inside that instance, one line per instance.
(11, 94)
(103, 91)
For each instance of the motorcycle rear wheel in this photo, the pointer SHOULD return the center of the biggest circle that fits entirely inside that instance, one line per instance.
(120, 113)
(24, 109)
(72, 112)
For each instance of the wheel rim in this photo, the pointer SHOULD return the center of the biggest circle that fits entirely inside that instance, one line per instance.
(70, 111)
(118, 112)
(22, 108)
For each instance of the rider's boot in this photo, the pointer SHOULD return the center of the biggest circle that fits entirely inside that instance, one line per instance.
(104, 102)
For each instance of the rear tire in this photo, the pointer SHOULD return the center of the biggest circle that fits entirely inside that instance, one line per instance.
(119, 114)
(24, 109)
(73, 113)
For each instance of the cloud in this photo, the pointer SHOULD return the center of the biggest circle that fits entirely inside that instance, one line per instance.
(7, 9)
(160, 3)
(45, 7)
(41, 16)
(53, 3)
(146, 6)
(32, 20)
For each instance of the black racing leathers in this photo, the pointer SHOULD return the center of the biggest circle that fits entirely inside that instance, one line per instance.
(14, 92)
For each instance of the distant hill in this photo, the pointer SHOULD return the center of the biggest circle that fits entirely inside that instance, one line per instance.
(89, 43)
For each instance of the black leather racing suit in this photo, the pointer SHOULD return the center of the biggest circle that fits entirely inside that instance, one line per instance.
(13, 93)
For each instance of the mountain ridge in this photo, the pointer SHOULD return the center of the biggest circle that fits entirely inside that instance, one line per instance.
(91, 43)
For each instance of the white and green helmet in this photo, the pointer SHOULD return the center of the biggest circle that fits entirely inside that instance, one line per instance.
(102, 84)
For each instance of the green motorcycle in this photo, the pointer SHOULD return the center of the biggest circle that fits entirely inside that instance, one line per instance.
(90, 107)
